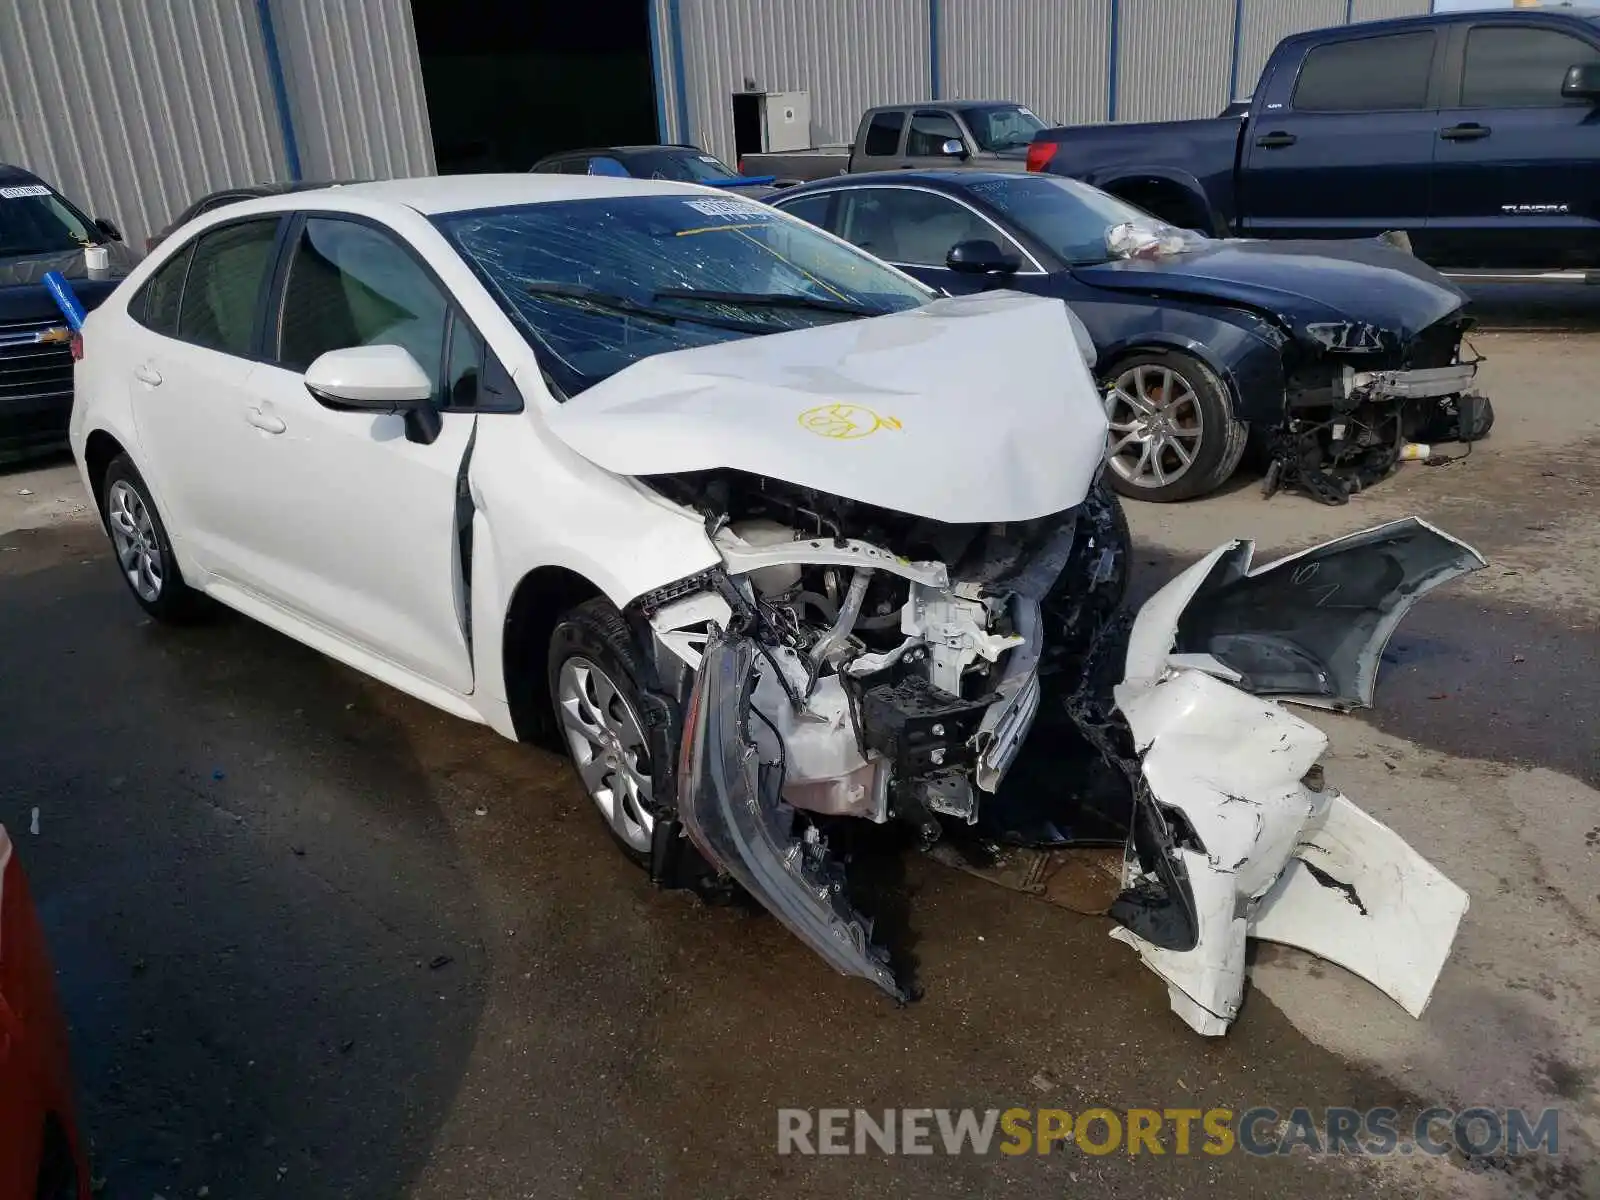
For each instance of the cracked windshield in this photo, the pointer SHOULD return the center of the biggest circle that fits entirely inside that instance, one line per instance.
(600, 284)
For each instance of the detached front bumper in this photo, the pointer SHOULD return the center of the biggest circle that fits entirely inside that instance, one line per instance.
(1236, 833)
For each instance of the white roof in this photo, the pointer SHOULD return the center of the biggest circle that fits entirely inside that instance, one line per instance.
(455, 193)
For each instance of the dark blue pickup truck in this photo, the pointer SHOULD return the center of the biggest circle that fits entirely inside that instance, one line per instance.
(1477, 133)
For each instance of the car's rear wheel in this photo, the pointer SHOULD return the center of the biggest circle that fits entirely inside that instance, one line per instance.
(1173, 435)
(143, 547)
(594, 689)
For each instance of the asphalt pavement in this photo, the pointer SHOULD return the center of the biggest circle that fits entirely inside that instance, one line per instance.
(318, 940)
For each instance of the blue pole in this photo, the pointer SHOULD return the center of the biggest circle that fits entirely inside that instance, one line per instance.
(1238, 39)
(935, 82)
(1349, 11)
(280, 89)
(662, 132)
(1111, 71)
(680, 84)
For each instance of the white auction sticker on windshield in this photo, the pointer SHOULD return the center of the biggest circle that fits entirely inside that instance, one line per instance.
(710, 158)
(739, 210)
(22, 193)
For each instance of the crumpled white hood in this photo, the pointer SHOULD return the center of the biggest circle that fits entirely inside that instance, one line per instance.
(973, 409)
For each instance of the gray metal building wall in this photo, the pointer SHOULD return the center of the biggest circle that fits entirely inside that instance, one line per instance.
(846, 54)
(1264, 23)
(133, 108)
(1052, 55)
(1173, 59)
(1378, 10)
(355, 88)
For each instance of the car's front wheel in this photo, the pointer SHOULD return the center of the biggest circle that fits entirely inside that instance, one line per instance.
(594, 689)
(143, 547)
(1173, 435)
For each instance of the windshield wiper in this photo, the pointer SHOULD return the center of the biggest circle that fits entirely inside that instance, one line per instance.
(769, 300)
(589, 297)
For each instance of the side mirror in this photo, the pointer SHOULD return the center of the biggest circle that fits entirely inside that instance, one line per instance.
(376, 379)
(980, 257)
(107, 228)
(953, 148)
(1582, 82)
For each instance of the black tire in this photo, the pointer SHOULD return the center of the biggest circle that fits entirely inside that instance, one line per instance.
(594, 639)
(173, 600)
(58, 1170)
(1213, 458)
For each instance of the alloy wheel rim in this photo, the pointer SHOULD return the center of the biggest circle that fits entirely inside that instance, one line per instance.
(1155, 425)
(609, 749)
(134, 537)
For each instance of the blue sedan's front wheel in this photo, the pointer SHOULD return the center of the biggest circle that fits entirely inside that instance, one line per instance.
(1173, 435)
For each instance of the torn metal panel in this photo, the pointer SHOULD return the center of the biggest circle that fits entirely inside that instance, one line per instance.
(1310, 627)
(730, 805)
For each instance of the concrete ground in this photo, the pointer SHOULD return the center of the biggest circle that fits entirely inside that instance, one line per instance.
(317, 940)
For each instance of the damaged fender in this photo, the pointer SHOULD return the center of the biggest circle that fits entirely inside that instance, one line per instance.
(730, 804)
(1236, 834)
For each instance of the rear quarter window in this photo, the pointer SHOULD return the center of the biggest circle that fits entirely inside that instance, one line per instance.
(155, 305)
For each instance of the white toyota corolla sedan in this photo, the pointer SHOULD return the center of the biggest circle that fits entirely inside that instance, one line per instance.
(766, 535)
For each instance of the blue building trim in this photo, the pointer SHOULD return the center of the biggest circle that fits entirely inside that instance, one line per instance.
(280, 89)
(935, 79)
(656, 77)
(680, 84)
(1111, 67)
(1238, 41)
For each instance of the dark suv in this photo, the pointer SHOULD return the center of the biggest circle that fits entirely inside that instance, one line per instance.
(41, 232)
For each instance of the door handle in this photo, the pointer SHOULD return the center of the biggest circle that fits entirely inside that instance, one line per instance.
(1471, 131)
(265, 422)
(147, 375)
(1271, 141)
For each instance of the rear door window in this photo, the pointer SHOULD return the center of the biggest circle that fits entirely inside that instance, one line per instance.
(912, 227)
(813, 210)
(883, 134)
(1373, 74)
(223, 290)
(1512, 66)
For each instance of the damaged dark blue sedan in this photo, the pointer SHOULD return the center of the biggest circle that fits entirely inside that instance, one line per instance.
(1330, 356)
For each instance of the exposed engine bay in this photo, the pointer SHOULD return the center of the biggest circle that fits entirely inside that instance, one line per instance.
(1357, 396)
(897, 657)
(852, 663)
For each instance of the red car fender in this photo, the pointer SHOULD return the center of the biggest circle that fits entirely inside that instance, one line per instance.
(35, 1070)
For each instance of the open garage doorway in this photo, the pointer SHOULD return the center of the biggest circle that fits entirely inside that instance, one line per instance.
(509, 81)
